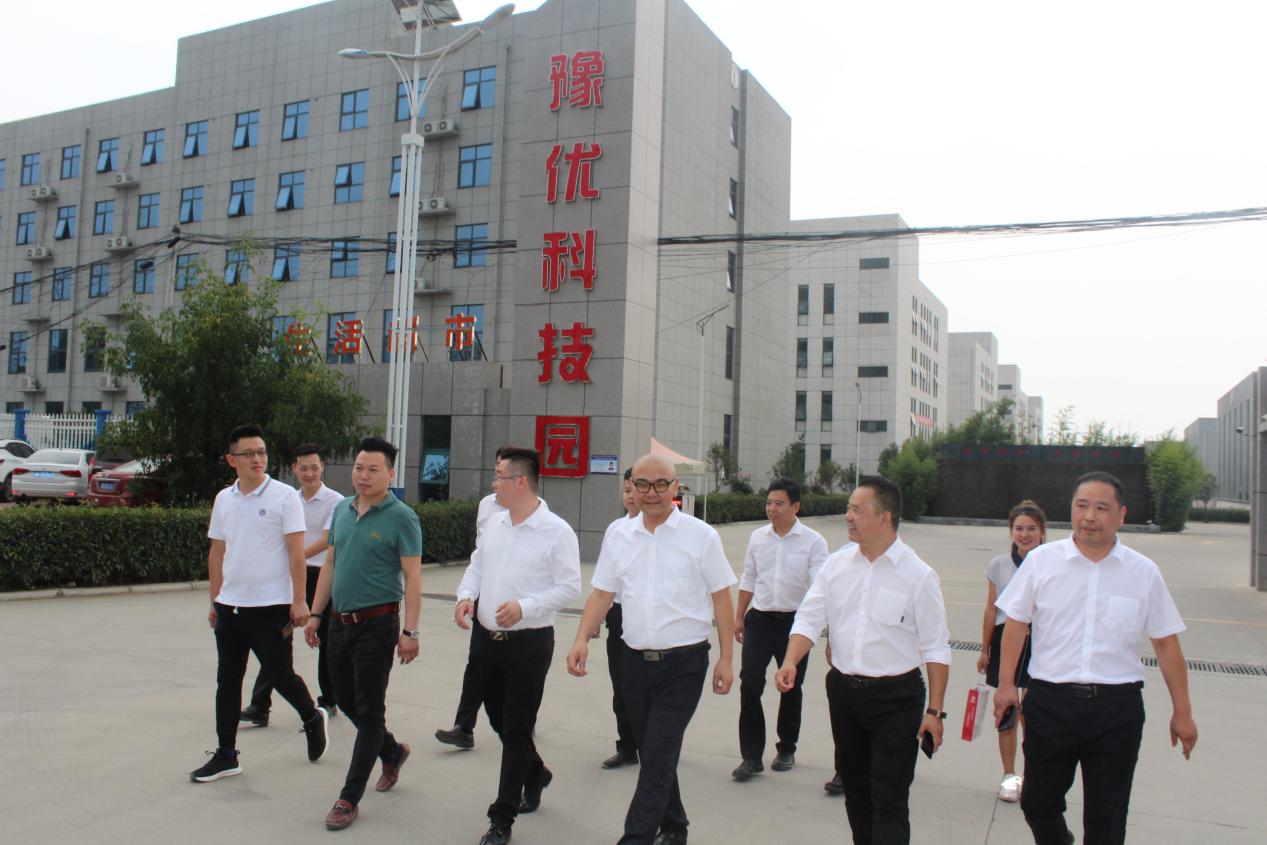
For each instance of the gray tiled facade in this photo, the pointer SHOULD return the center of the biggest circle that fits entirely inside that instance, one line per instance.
(974, 364)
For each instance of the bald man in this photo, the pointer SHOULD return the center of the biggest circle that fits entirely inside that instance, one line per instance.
(673, 579)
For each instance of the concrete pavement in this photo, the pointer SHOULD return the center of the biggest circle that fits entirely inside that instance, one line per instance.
(106, 705)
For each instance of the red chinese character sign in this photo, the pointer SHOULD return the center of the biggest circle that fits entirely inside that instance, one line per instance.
(461, 332)
(299, 337)
(579, 81)
(580, 164)
(395, 340)
(564, 444)
(347, 337)
(573, 367)
(567, 255)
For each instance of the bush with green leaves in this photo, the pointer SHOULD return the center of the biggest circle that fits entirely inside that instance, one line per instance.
(1175, 477)
(914, 470)
(1240, 515)
(735, 507)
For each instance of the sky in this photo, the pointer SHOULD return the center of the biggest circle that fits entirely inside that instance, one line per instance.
(948, 114)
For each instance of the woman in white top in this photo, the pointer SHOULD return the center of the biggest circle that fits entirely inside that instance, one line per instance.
(1028, 526)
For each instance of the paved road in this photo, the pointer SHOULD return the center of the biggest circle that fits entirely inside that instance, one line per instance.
(106, 704)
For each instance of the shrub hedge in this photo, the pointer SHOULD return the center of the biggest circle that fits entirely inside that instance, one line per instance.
(64, 546)
(737, 507)
(1218, 515)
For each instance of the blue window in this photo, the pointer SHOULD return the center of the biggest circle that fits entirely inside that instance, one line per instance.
(478, 88)
(58, 343)
(332, 331)
(152, 149)
(344, 259)
(246, 129)
(92, 359)
(17, 352)
(475, 166)
(391, 253)
(1, 174)
(63, 283)
(286, 262)
(143, 276)
(133, 407)
(470, 352)
(108, 155)
(236, 267)
(147, 211)
(26, 227)
(295, 120)
(99, 280)
(103, 218)
(195, 139)
(22, 288)
(394, 190)
(468, 245)
(70, 161)
(65, 228)
(191, 204)
(186, 270)
(290, 190)
(354, 110)
(402, 99)
(30, 169)
(349, 181)
(281, 324)
(241, 197)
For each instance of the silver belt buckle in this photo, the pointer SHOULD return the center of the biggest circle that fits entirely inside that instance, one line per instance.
(497, 635)
(653, 656)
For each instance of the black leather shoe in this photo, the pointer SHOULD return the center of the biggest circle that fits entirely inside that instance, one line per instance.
(497, 835)
(532, 798)
(670, 837)
(457, 736)
(784, 761)
(745, 770)
(621, 758)
(835, 786)
(255, 716)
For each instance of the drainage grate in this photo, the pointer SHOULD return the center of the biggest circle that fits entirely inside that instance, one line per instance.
(1207, 666)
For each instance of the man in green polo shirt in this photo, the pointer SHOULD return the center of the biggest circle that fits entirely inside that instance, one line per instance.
(375, 544)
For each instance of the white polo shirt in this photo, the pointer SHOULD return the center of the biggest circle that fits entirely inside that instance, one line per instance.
(884, 617)
(536, 563)
(1089, 619)
(778, 570)
(254, 528)
(317, 513)
(665, 580)
(612, 528)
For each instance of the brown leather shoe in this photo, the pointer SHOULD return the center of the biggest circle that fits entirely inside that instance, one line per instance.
(391, 771)
(341, 815)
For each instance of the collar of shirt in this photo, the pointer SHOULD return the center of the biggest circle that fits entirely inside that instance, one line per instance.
(796, 528)
(258, 491)
(675, 517)
(1072, 551)
(892, 554)
(387, 502)
(323, 492)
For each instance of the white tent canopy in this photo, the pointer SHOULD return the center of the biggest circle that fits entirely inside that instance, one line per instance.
(682, 465)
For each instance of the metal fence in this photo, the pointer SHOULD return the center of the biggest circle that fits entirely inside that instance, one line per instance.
(53, 431)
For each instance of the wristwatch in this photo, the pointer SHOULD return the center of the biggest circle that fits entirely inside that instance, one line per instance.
(413, 635)
(933, 711)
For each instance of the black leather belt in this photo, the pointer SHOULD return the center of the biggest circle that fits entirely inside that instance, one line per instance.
(1089, 690)
(865, 681)
(655, 655)
(500, 636)
(781, 615)
(356, 617)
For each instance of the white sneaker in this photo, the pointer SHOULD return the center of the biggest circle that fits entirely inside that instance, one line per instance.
(1010, 789)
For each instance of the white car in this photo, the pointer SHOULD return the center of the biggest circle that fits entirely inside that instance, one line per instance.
(13, 453)
(58, 474)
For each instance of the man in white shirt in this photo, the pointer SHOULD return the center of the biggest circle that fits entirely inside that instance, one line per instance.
(526, 568)
(885, 613)
(780, 564)
(1091, 601)
(673, 579)
(462, 734)
(318, 501)
(256, 571)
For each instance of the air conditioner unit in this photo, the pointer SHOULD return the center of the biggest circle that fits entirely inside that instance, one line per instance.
(119, 243)
(422, 288)
(433, 205)
(30, 383)
(39, 253)
(438, 127)
(122, 181)
(109, 383)
(42, 193)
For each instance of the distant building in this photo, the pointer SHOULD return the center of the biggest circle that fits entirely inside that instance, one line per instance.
(1202, 434)
(1237, 412)
(974, 364)
(1027, 410)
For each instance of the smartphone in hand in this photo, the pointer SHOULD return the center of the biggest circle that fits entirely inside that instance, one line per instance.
(1009, 719)
(926, 744)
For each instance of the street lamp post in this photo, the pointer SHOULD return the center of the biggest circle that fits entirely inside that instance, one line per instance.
(701, 324)
(428, 13)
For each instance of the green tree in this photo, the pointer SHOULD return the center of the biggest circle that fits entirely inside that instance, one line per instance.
(216, 363)
(827, 476)
(994, 425)
(1063, 431)
(914, 470)
(1099, 434)
(722, 464)
(845, 477)
(1209, 489)
(886, 457)
(791, 464)
(1175, 476)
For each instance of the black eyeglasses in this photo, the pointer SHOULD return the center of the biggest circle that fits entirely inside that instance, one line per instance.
(251, 453)
(660, 484)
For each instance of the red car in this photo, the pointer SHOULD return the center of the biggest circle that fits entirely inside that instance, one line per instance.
(127, 485)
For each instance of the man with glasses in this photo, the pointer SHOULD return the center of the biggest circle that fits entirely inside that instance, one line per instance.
(673, 579)
(256, 569)
(526, 568)
(780, 564)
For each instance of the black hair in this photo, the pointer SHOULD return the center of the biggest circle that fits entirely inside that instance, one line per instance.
(888, 496)
(304, 449)
(242, 432)
(527, 462)
(379, 446)
(788, 486)
(1104, 478)
(629, 474)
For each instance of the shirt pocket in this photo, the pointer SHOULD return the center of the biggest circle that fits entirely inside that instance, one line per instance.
(889, 607)
(1121, 615)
